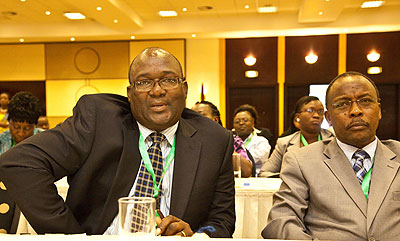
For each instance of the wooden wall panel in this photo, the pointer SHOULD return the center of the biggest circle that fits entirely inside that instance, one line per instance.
(388, 125)
(293, 93)
(37, 88)
(91, 60)
(299, 72)
(264, 49)
(387, 44)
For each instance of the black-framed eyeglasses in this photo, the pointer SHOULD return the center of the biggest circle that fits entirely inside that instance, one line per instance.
(345, 105)
(311, 111)
(165, 83)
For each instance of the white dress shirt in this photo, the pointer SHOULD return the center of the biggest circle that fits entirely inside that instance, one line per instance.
(259, 148)
(349, 151)
(166, 186)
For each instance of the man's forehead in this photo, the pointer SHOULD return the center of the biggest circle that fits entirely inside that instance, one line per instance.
(359, 83)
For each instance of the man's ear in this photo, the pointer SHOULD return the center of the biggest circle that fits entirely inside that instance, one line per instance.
(328, 118)
(128, 93)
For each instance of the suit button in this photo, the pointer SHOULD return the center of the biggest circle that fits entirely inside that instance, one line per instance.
(371, 239)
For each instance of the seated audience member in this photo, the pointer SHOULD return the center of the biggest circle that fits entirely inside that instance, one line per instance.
(309, 114)
(103, 149)
(210, 111)
(43, 123)
(4, 100)
(343, 188)
(24, 110)
(244, 120)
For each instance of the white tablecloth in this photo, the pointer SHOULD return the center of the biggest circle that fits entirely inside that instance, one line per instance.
(253, 202)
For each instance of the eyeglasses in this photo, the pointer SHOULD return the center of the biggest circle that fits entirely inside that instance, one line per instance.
(344, 105)
(165, 83)
(311, 111)
(237, 121)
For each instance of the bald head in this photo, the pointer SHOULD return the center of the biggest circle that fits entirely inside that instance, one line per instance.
(153, 55)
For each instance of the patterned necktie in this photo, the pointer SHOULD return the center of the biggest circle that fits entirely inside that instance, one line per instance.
(144, 185)
(359, 156)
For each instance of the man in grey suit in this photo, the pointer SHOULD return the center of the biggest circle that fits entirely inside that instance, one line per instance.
(344, 188)
(100, 149)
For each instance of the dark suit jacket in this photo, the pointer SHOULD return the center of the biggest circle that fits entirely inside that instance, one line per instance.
(97, 148)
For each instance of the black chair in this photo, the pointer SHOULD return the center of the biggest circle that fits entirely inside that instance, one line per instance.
(265, 132)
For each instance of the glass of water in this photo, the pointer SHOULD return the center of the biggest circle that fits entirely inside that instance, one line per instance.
(237, 171)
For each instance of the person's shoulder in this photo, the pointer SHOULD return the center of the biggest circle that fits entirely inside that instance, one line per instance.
(105, 101)
(287, 139)
(393, 145)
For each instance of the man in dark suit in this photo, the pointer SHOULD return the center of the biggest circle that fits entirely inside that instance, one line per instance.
(98, 149)
(343, 188)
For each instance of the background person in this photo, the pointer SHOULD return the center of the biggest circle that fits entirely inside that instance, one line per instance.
(309, 114)
(4, 100)
(244, 120)
(43, 123)
(24, 110)
(208, 109)
(343, 188)
(102, 149)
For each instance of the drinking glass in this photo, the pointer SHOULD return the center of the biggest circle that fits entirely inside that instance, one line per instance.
(137, 217)
(237, 171)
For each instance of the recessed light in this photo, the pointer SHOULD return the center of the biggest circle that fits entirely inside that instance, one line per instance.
(250, 60)
(72, 39)
(99, 8)
(74, 16)
(184, 9)
(21, 40)
(267, 9)
(374, 70)
(133, 37)
(194, 35)
(320, 13)
(47, 13)
(246, 6)
(168, 13)
(22, 0)
(115, 20)
(373, 56)
(251, 74)
(372, 4)
(311, 58)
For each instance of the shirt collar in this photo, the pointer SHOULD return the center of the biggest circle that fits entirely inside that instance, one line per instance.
(349, 149)
(169, 133)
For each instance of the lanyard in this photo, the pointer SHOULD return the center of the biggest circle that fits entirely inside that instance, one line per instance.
(248, 139)
(149, 167)
(367, 180)
(12, 142)
(304, 141)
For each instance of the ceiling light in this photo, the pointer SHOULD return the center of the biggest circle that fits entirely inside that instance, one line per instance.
(250, 60)
(373, 56)
(99, 8)
(47, 13)
(267, 9)
(320, 13)
(133, 37)
(23, 0)
(372, 4)
(311, 58)
(374, 70)
(184, 9)
(72, 39)
(167, 13)
(246, 6)
(194, 35)
(115, 20)
(74, 16)
(21, 40)
(251, 74)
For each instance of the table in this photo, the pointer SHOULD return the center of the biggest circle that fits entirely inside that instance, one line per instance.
(253, 201)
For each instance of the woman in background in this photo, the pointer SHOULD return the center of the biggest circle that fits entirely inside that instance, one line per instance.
(4, 100)
(308, 117)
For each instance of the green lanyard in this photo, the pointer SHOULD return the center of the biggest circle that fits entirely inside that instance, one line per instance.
(149, 167)
(248, 140)
(304, 141)
(12, 142)
(367, 180)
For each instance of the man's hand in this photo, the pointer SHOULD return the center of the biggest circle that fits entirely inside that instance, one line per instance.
(172, 225)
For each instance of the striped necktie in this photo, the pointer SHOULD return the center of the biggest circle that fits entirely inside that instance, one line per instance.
(359, 156)
(144, 185)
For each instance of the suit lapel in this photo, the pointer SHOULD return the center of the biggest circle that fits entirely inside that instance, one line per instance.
(126, 172)
(187, 156)
(383, 172)
(341, 168)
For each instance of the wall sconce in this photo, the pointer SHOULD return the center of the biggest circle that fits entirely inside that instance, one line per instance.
(251, 74)
(250, 60)
(374, 70)
(311, 58)
(373, 56)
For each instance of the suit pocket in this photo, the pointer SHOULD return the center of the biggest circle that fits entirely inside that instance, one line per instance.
(396, 196)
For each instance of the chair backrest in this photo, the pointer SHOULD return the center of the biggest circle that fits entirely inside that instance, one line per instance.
(265, 132)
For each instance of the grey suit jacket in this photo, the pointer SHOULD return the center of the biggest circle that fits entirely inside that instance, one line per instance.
(320, 196)
(97, 148)
(284, 144)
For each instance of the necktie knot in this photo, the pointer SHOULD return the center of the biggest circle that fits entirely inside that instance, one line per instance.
(157, 137)
(358, 157)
